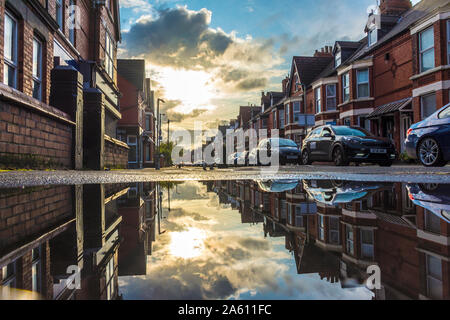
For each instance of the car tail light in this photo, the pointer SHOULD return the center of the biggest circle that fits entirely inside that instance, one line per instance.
(409, 132)
(411, 197)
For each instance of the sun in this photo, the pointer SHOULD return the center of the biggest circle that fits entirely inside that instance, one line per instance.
(187, 244)
(193, 88)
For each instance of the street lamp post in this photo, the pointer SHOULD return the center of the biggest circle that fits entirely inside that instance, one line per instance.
(158, 141)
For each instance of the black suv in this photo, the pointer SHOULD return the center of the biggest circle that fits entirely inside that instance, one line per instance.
(343, 144)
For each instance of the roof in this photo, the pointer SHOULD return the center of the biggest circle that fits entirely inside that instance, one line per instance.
(310, 67)
(416, 13)
(390, 107)
(132, 70)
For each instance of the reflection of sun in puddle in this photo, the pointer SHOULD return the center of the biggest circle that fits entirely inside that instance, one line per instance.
(187, 244)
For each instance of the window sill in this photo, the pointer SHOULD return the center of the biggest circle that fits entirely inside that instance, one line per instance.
(425, 73)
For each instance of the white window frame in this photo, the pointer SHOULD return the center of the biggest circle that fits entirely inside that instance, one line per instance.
(59, 13)
(363, 83)
(333, 108)
(72, 27)
(369, 37)
(37, 78)
(282, 123)
(423, 51)
(288, 119)
(318, 99)
(109, 55)
(36, 270)
(345, 86)
(338, 59)
(321, 227)
(14, 63)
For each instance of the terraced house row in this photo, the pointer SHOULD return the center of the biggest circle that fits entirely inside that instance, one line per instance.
(60, 97)
(398, 74)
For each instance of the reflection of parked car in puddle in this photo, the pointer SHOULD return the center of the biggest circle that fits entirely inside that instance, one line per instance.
(277, 186)
(334, 192)
(433, 197)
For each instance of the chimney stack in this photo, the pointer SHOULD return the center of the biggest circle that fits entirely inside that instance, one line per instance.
(394, 7)
(324, 52)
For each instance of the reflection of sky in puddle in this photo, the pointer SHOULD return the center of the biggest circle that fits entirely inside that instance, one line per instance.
(207, 253)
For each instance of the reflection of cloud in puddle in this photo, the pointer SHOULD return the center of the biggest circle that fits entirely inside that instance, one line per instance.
(187, 244)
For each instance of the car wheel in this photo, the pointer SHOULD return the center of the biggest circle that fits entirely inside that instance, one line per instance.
(306, 160)
(429, 153)
(339, 157)
(386, 164)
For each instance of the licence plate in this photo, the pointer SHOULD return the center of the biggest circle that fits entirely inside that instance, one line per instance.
(378, 151)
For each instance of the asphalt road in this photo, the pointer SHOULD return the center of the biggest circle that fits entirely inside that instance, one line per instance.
(413, 174)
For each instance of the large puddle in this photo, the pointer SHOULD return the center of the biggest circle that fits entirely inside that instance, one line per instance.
(279, 239)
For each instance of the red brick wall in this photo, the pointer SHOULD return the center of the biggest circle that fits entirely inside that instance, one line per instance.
(24, 133)
(116, 155)
(128, 102)
(25, 214)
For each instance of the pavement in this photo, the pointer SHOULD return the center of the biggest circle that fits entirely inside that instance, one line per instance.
(396, 173)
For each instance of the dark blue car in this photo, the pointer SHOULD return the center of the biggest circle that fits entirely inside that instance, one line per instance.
(429, 140)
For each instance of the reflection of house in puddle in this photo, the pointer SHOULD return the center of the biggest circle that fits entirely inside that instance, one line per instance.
(138, 211)
(48, 233)
(353, 225)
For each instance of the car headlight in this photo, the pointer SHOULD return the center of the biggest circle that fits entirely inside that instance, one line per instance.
(352, 140)
(446, 214)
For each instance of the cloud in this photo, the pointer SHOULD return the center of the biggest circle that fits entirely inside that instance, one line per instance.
(179, 117)
(249, 84)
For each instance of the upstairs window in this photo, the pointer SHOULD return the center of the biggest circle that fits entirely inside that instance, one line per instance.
(109, 56)
(426, 49)
(296, 111)
(10, 51)
(317, 94)
(346, 87)
(37, 69)
(59, 13)
(362, 78)
(147, 123)
(73, 21)
(282, 119)
(338, 59)
(372, 37)
(331, 97)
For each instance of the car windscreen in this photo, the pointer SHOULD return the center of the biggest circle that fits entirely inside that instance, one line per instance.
(347, 131)
(283, 143)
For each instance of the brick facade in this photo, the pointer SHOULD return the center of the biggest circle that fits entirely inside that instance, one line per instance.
(116, 154)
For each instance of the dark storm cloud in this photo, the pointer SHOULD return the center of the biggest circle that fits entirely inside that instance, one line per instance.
(179, 37)
(249, 84)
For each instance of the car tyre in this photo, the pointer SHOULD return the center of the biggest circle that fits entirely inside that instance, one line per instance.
(339, 157)
(306, 159)
(386, 164)
(430, 154)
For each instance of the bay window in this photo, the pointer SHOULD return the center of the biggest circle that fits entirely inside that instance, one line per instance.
(349, 240)
(367, 244)
(37, 69)
(434, 277)
(281, 119)
(331, 97)
(362, 80)
(10, 51)
(346, 87)
(428, 104)
(334, 230)
(426, 49)
(288, 118)
(317, 95)
(296, 111)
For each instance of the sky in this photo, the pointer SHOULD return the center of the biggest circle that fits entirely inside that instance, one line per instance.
(208, 57)
(211, 254)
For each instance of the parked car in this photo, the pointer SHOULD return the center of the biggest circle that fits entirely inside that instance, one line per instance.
(286, 150)
(433, 197)
(428, 140)
(344, 144)
(277, 186)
